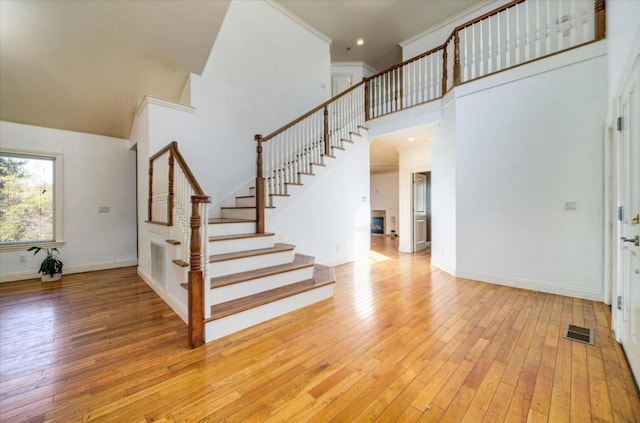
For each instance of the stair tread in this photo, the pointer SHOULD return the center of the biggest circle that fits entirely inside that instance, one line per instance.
(250, 253)
(180, 263)
(217, 220)
(300, 261)
(245, 196)
(347, 140)
(173, 242)
(239, 236)
(252, 301)
(244, 207)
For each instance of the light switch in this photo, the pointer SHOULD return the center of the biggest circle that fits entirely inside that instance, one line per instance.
(104, 209)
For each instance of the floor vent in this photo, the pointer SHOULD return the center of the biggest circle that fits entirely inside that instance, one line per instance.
(578, 333)
(158, 265)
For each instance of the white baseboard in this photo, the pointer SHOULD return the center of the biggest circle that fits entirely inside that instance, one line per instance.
(68, 270)
(443, 267)
(533, 285)
(178, 308)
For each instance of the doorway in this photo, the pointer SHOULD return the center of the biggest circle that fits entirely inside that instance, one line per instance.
(628, 228)
(421, 201)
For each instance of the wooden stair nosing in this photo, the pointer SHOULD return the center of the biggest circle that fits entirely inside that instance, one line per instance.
(363, 127)
(180, 263)
(185, 286)
(279, 195)
(292, 183)
(300, 261)
(357, 134)
(219, 221)
(244, 207)
(347, 140)
(306, 173)
(338, 148)
(328, 155)
(246, 196)
(173, 242)
(277, 248)
(238, 236)
(229, 308)
(318, 164)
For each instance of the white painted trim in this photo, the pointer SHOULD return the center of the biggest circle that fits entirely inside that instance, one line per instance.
(68, 270)
(443, 267)
(178, 308)
(533, 285)
(365, 65)
(452, 20)
(306, 25)
(146, 100)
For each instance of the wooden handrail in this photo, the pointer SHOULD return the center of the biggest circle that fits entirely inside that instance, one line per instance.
(187, 171)
(164, 150)
(312, 111)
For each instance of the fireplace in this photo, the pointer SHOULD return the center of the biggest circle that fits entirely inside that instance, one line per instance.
(378, 224)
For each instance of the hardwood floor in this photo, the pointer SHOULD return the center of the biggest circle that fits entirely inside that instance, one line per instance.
(400, 341)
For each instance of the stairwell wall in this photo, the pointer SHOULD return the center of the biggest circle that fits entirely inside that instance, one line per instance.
(330, 218)
(265, 69)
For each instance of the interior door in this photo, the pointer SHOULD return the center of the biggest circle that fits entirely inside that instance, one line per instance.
(419, 212)
(629, 263)
(340, 83)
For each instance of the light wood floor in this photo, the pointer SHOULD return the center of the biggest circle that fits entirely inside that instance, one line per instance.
(400, 341)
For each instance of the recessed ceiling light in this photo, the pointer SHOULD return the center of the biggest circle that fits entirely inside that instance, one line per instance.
(411, 139)
(359, 41)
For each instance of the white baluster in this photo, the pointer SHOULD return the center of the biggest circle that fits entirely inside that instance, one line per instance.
(548, 28)
(527, 41)
(499, 42)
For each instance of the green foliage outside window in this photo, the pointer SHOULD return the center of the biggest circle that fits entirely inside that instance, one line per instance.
(26, 199)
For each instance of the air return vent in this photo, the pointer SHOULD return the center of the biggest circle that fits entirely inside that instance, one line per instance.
(158, 266)
(578, 333)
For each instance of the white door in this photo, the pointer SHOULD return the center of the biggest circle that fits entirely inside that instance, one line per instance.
(340, 83)
(629, 229)
(419, 212)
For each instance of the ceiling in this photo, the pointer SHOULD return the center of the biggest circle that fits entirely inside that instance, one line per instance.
(83, 65)
(384, 150)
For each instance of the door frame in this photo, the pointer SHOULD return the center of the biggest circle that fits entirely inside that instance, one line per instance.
(411, 214)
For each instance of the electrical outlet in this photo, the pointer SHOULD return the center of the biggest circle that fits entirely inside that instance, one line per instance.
(570, 205)
(22, 259)
(104, 209)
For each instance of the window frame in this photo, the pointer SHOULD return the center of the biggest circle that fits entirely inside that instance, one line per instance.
(58, 197)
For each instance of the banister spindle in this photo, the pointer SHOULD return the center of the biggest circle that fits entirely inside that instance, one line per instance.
(325, 131)
(259, 187)
(456, 58)
(600, 19)
(196, 285)
(444, 69)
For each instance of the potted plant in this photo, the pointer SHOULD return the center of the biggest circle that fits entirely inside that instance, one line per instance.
(51, 266)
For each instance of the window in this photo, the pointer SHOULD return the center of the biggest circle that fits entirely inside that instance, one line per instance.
(30, 199)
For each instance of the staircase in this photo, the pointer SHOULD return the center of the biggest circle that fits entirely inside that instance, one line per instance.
(238, 274)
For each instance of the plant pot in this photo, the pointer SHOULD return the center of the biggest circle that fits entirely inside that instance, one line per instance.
(54, 278)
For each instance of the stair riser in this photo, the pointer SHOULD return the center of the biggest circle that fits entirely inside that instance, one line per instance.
(228, 267)
(246, 202)
(239, 213)
(236, 322)
(221, 229)
(254, 286)
(242, 244)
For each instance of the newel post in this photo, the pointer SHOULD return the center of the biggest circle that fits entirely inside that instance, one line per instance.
(195, 286)
(259, 187)
(170, 193)
(456, 59)
(325, 131)
(150, 199)
(444, 69)
(601, 19)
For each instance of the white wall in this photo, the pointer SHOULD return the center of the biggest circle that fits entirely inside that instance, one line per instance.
(443, 189)
(98, 171)
(330, 219)
(623, 40)
(384, 196)
(357, 70)
(265, 69)
(412, 159)
(524, 147)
